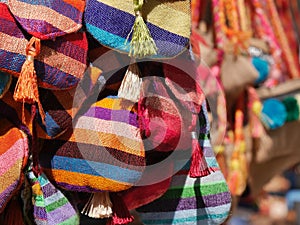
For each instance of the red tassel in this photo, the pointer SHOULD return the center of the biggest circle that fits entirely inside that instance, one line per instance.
(121, 214)
(13, 213)
(199, 167)
(26, 90)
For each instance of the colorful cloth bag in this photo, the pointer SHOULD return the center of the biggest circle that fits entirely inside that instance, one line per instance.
(204, 200)
(103, 152)
(50, 206)
(48, 19)
(60, 63)
(111, 22)
(13, 158)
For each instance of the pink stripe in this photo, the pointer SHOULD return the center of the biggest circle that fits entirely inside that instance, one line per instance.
(15, 152)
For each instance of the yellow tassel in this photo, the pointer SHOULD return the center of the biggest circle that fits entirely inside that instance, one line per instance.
(98, 206)
(142, 43)
(26, 90)
(131, 84)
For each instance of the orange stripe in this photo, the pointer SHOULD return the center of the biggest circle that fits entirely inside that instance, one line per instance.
(78, 4)
(106, 140)
(84, 180)
(12, 135)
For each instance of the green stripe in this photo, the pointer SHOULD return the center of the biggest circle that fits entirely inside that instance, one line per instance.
(188, 192)
(56, 204)
(188, 219)
(71, 221)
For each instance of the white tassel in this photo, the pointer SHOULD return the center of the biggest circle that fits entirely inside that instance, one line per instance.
(131, 84)
(98, 206)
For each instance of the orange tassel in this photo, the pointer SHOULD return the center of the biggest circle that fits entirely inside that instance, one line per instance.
(26, 90)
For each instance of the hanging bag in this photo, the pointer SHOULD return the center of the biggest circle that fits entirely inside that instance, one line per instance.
(140, 28)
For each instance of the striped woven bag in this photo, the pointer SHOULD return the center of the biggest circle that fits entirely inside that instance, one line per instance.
(158, 28)
(102, 153)
(60, 63)
(50, 206)
(48, 19)
(13, 158)
(191, 201)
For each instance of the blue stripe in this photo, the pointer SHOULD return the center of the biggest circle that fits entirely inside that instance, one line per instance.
(51, 76)
(95, 169)
(11, 61)
(187, 219)
(60, 7)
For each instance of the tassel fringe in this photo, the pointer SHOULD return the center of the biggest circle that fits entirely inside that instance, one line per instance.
(142, 43)
(121, 214)
(98, 206)
(26, 90)
(199, 166)
(131, 84)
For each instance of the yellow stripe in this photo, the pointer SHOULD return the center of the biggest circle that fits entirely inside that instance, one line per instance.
(115, 103)
(107, 140)
(11, 175)
(83, 180)
(172, 16)
(38, 12)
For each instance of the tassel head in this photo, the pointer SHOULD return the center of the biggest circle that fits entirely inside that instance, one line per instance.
(98, 206)
(26, 90)
(142, 43)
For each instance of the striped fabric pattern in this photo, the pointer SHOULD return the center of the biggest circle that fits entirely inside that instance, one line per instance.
(169, 22)
(104, 151)
(62, 106)
(48, 19)
(50, 206)
(191, 201)
(13, 158)
(61, 63)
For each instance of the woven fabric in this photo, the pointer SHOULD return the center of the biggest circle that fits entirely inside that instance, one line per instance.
(103, 152)
(13, 158)
(191, 201)
(164, 122)
(169, 22)
(5, 80)
(48, 19)
(60, 64)
(62, 106)
(50, 206)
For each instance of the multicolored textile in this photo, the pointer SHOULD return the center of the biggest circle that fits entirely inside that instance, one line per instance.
(13, 158)
(169, 22)
(62, 106)
(48, 19)
(5, 80)
(190, 201)
(60, 64)
(104, 151)
(50, 206)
